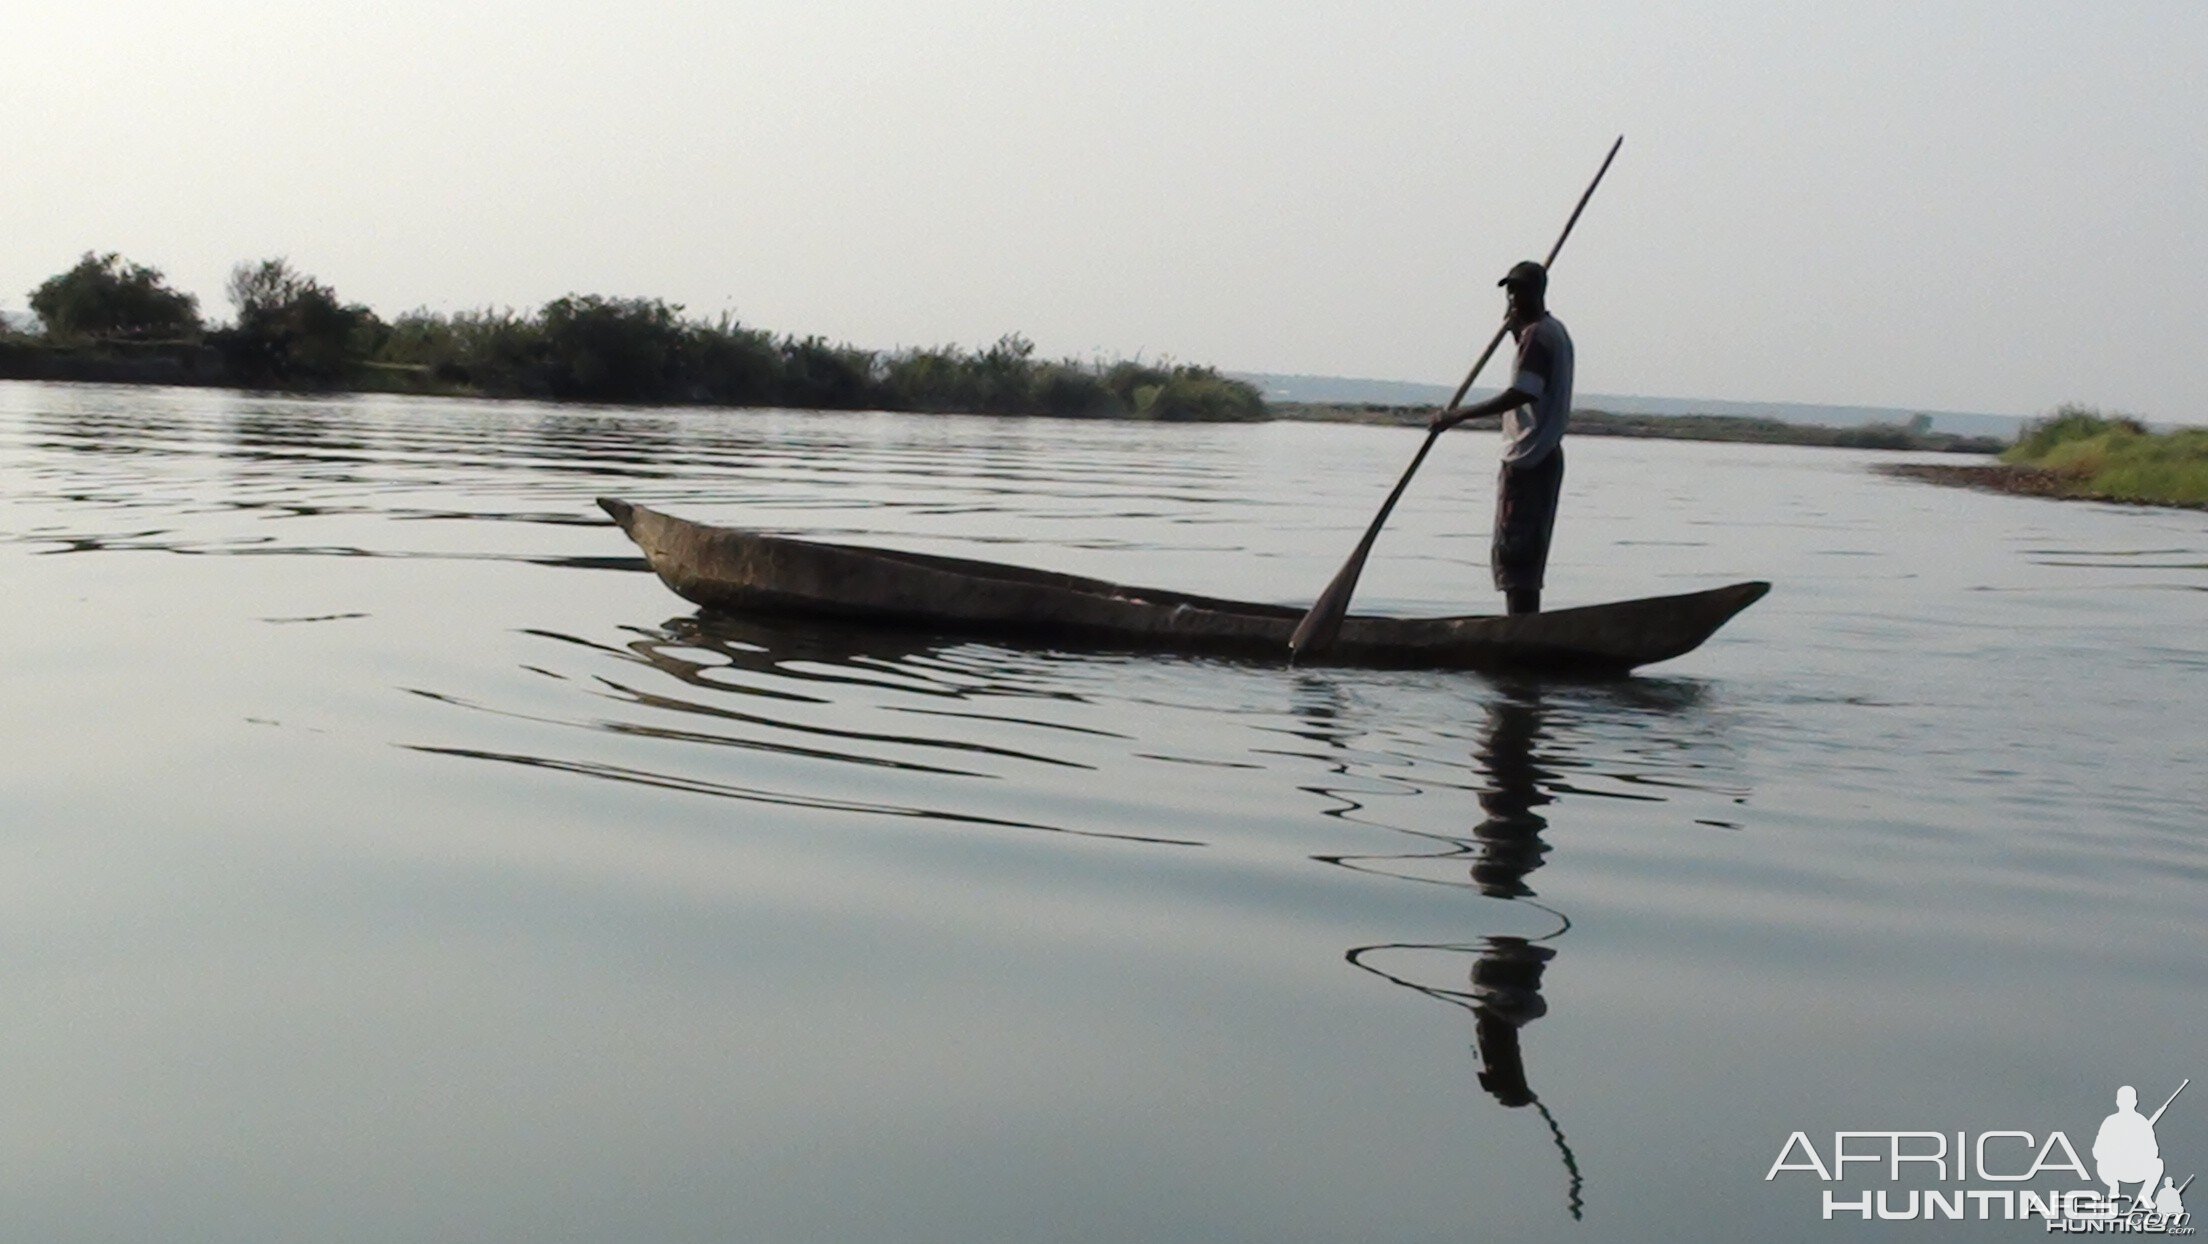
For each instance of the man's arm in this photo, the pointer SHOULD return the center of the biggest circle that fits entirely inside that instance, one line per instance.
(1531, 377)
(1508, 399)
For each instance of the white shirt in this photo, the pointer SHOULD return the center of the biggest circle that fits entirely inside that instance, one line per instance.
(1543, 372)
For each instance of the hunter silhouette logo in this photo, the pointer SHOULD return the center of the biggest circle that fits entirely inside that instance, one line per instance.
(2125, 1150)
(2004, 1175)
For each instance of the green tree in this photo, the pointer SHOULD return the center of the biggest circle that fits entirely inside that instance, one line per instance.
(106, 296)
(1202, 394)
(826, 377)
(727, 362)
(612, 349)
(1006, 372)
(292, 327)
(1182, 392)
(492, 350)
(1072, 390)
(939, 378)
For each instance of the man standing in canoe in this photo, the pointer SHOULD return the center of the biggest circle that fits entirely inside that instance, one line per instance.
(1534, 410)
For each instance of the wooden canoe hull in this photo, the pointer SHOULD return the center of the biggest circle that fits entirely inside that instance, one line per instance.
(734, 571)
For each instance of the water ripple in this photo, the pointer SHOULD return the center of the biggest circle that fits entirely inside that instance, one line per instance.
(791, 799)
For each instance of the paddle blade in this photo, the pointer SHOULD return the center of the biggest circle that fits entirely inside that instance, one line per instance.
(1324, 621)
(1319, 626)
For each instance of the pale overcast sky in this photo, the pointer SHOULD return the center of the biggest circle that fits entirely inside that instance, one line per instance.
(1958, 206)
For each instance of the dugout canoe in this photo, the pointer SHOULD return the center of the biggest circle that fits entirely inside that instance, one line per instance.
(731, 570)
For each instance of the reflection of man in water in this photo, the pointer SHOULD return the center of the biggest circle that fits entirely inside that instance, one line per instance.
(1510, 841)
(2125, 1152)
(1506, 996)
(1506, 847)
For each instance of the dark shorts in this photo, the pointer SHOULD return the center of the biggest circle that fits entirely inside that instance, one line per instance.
(1525, 514)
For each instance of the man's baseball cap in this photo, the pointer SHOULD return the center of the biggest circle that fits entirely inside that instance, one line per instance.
(1527, 272)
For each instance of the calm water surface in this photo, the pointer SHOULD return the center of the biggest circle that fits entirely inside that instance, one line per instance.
(384, 855)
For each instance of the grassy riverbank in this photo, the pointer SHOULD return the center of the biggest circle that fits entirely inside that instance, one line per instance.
(2078, 452)
(2118, 458)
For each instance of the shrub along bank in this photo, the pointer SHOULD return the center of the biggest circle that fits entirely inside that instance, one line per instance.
(2115, 457)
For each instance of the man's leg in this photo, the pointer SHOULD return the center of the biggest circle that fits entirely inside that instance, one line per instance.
(1525, 515)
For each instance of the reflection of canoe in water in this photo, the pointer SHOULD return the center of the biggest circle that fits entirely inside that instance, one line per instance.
(744, 572)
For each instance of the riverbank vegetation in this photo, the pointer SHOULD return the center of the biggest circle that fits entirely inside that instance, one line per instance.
(2116, 457)
(111, 320)
(2080, 452)
(108, 319)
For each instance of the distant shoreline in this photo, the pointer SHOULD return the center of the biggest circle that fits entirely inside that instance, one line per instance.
(203, 369)
(1350, 391)
(1738, 429)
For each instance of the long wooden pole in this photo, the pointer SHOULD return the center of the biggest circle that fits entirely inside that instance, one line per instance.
(1324, 621)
